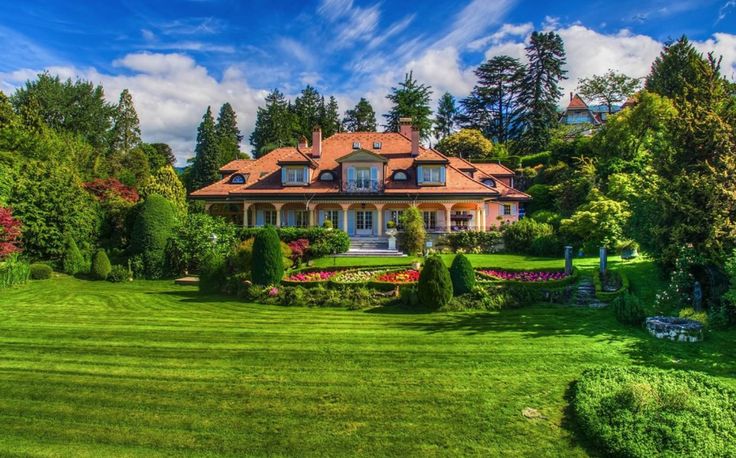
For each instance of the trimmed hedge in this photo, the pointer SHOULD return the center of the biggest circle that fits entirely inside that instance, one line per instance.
(645, 412)
(434, 288)
(322, 241)
(269, 268)
(531, 160)
(608, 296)
(101, 267)
(73, 262)
(462, 275)
(153, 227)
(472, 241)
(628, 309)
(41, 271)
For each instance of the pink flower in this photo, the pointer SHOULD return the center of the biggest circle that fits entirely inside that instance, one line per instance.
(273, 292)
(524, 276)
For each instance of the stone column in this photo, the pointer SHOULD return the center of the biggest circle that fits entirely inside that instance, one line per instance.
(345, 216)
(568, 260)
(207, 207)
(379, 219)
(482, 217)
(278, 214)
(313, 220)
(603, 254)
(448, 217)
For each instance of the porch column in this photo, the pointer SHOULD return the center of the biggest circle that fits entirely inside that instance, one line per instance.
(278, 214)
(345, 216)
(246, 209)
(379, 219)
(448, 217)
(482, 217)
(312, 209)
(207, 207)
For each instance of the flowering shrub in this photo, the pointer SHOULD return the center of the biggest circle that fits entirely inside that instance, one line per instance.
(105, 188)
(524, 276)
(311, 276)
(400, 276)
(299, 249)
(273, 292)
(10, 231)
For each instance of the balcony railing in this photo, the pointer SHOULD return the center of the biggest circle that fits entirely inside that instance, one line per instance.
(363, 186)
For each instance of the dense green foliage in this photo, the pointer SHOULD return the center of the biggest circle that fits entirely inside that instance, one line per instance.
(206, 165)
(474, 241)
(361, 118)
(40, 271)
(228, 135)
(608, 89)
(166, 183)
(444, 121)
(519, 237)
(14, 271)
(119, 274)
(101, 266)
(411, 239)
(322, 241)
(267, 250)
(642, 412)
(467, 143)
(434, 289)
(154, 225)
(198, 238)
(462, 275)
(73, 262)
(628, 309)
(410, 99)
(212, 273)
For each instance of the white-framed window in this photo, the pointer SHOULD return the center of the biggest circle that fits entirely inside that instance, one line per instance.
(395, 216)
(507, 210)
(326, 176)
(237, 179)
(432, 174)
(295, 175)
(400, 176)
(332, 215)
(301, 218)
(363, 178)
(430, 219)
(269, 217)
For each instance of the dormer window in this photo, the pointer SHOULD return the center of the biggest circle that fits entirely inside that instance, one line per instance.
(326, 176)
(431, 174)
(294, 175)
(356, 145)
(490, 182)
(237, 179)
(377, 145)
(400, 175)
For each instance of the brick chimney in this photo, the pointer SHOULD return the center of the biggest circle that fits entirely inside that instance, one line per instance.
(303, 145)
(405, 127)
(316, 142)
(414, 141)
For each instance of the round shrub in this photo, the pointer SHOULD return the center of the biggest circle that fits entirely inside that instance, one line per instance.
(518, 237)
(241, 260)
(41, 271)
(628, 309)
(329, 242)
(267, 250)
(643, 412)
(119, 274)
(462, 275)
(327, 224)
(153, 227)
(73, 262)
(434, 288)
(101, 267)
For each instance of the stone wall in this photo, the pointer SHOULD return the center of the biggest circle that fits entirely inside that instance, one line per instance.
(674, 328)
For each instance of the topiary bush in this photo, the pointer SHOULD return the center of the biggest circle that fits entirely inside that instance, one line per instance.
(628, 309)
(462, 275)
(154, 225)
(644, 412)
(267, 250)
(434, 288)
(119, 274)
(241, 259)
(101, 267)
(41, 271)
(73, 262)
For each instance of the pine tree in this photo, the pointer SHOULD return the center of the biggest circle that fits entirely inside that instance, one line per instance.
(361, 118)
(444, 122)
(309, 110)
(228, 135)
(434, 289)
(275, 125)
(410, 100)
(126, 129)
(678, 67)
(540, 89)
(330, 118)
(493, 105)
(205, 169)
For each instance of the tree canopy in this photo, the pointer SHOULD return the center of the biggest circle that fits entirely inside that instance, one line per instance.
(410, 99)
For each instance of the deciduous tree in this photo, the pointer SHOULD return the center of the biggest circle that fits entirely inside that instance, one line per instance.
(608, 89)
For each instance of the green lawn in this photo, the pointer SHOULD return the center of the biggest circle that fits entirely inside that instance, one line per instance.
(151, 369)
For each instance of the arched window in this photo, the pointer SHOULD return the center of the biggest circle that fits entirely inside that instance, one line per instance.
(326, 176)
(400, 175)
(489, 182)
(237, 179)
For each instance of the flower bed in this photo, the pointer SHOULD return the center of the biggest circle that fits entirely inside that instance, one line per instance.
(355, 277)
(301, 277)
(399, 277)
(523, 276)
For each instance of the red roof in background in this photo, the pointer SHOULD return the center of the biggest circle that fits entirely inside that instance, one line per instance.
(577, 103)
(262, 176)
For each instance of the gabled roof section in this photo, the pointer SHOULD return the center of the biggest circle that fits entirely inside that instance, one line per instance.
(577, 103)
(361, 155)
(495, 169)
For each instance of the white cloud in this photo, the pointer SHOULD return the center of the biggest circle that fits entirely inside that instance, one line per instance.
(473, 21)
(171, 93)
(506, 31)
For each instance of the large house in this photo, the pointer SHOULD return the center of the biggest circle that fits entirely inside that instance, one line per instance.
(360, 181)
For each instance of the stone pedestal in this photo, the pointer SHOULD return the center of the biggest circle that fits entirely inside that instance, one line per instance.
(568, 260)
(391, 238)
(603, 254)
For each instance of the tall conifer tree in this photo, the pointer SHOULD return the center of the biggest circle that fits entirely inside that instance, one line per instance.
(275, 125)
(361, 118)
(228, 135)
(444, 122)
(410, 99)
(205, 169)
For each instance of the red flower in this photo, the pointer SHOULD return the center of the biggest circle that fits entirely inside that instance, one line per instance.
(10, 230)
(102, 188)
(402, 276)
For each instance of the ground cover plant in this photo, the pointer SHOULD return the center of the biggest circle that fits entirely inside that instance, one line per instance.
(146, 368)
(642, 412)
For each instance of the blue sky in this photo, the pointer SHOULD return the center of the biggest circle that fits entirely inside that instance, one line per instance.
(178, 58)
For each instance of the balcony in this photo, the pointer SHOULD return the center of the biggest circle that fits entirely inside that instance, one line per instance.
(363, 186)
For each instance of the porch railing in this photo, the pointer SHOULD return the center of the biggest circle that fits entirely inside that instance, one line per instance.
(363, 186)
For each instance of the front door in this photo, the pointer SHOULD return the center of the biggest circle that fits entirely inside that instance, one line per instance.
(364, 222)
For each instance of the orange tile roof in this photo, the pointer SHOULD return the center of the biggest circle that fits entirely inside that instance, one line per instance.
(577, 103)
(263, 176)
